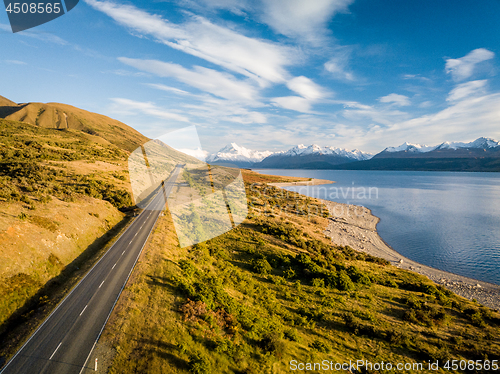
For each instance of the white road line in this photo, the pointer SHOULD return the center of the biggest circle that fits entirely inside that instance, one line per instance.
(101, 284)
(136, 234)
(113, 267)
(130, 242)
(50, 358)
(123, 253)
(84, 309)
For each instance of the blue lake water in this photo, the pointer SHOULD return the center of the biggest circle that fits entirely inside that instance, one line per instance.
(446, 220)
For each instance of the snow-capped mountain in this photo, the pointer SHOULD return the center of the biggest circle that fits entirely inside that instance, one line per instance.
(312, 157)
(482, 154)
(480, 143)
(302, 150)
(237, 155)
(409, 147)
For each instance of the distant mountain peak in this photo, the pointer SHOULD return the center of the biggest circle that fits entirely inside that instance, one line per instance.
(238, 155)
(314, 149)
(410, 147)
(478, 143)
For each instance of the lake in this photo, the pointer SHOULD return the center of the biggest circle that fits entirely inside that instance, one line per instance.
(447, 220)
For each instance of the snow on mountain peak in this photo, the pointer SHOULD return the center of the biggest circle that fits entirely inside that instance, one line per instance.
(234, 152)
(478, 143)
(302, 150)
(410, 147)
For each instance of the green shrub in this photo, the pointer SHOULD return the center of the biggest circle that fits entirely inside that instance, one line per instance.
(199, 364)
(261, 266)
(343, 282)
(319, 346)
(289, 273)
(272, 343)
(292, 335)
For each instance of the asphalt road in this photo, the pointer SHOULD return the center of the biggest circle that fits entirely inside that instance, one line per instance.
(64, 341)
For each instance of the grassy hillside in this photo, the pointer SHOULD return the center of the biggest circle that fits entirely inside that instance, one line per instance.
(60, 192)
(63, 194)
(101, 129)
(6, 102)
(275, 290)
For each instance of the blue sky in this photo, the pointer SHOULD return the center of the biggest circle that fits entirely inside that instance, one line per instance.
(363, 74)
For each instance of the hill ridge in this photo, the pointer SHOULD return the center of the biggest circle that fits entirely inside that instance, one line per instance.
(67, 117)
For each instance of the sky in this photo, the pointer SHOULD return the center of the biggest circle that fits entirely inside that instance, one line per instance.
(270, 74)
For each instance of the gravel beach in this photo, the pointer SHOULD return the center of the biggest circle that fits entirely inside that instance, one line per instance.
(356, 227)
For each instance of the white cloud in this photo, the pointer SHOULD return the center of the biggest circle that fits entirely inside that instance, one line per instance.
(467, 89)
(306, 88)
(301, 19)
(462, 68)
(416, 77)
(296, 103)
(131, 107)
(217, 83)
(216, 111)
(163, 87)
(400, 100)
(198, 153)
(16, 62)
(337, 66)
(261, 60)
(469, 118)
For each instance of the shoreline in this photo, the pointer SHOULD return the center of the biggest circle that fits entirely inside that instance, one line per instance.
(356, 226)
(312, 182)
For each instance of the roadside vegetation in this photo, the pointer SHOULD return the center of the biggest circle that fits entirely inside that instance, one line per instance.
(274, 290)
(63, 194)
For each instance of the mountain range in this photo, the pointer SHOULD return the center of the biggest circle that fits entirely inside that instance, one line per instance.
(482, 154)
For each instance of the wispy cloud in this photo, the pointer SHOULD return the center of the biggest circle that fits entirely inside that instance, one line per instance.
(208, 80)
(16, 62)
(400, 100)
(44, 36)
(467, 89)
(132, 107)
(296, 103)
(257, 59)
(338, 65)
(166, 88)
(306, 88)
(463, 68)
(416, 77)
(304, 20)
(218, 111)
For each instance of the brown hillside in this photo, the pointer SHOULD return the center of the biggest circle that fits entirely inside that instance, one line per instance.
(6, 102)
(62, 116)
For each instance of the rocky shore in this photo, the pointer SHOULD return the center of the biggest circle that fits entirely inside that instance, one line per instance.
(312, 182)
(356, 226)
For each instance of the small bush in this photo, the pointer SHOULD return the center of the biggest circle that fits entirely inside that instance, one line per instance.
(261, 266)
(272, 343)
(292, 335)
(319, 346)
(199, 364)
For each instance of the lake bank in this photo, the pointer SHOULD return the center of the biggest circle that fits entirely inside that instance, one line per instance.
(312, 182)
(356, 227)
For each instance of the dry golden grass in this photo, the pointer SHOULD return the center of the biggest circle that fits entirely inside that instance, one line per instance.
(98, 128)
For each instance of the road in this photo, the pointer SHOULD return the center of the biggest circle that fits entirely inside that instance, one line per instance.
(64, 341)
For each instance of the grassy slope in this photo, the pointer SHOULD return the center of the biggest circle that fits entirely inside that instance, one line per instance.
(98, 128)
(61, 191)
(275, 289)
